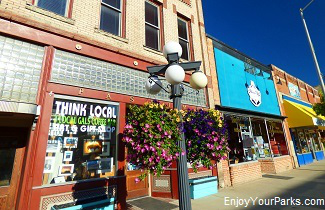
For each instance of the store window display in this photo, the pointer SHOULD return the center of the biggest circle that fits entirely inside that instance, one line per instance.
(277, 138)
(260, 137)
(301, 141)
(82, 141)
(251, 138)
(240, 141)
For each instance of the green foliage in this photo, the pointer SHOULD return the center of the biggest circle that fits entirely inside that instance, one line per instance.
(319, 108)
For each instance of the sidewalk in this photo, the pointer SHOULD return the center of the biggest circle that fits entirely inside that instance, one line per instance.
(306, 182)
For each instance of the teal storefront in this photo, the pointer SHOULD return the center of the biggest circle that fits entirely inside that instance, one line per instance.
(250, 106)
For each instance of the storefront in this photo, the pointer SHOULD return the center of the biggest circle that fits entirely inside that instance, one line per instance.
(20, 71)
(64, 113)
(250, 105)
(306, 130)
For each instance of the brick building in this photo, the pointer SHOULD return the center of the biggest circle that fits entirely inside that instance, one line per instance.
(61, 62)
(244, 90)
(306, 128)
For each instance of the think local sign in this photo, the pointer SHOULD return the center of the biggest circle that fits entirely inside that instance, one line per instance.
(254, 94)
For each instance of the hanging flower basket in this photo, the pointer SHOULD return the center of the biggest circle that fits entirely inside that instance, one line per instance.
(151, 136)
(206, 138)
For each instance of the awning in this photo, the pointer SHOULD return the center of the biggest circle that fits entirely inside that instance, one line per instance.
(302, 116)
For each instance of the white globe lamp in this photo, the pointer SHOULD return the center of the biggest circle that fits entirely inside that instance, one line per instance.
(198, 80)
(172, 47)
(175, 74)
(153, 85)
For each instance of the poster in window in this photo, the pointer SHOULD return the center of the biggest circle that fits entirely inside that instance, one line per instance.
(105, 148)
(66, 169)
(83, 133)
(294, 90)
(49, 164)
(70, 142)
(92, 146)
(67, 156)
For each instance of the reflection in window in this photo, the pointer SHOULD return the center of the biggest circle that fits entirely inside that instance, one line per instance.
(183, 37)
(303, 144)
(57, 6)
(82, 141)
(277, 138)
(261, 140)
(240, 141)
(152, 26)
(110, 17)
(7, 157)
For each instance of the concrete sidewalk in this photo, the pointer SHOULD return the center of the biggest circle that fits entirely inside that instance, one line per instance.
(306, 182)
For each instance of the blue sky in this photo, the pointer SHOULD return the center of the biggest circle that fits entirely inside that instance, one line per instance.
(271, 31)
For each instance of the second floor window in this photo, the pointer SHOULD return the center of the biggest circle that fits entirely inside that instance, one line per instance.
(152, 26)
(57, 6)
(183, 38)
(110, 17)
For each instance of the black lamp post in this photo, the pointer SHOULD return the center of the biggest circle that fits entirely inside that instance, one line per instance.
(175, 74)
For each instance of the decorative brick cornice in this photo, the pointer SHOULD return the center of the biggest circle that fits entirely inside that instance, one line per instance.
(188, 2)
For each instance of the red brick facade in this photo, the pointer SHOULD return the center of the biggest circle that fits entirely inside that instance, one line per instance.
(276, 165)
(245, 172)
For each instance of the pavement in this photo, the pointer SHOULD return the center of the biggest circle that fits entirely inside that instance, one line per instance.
(301, 188)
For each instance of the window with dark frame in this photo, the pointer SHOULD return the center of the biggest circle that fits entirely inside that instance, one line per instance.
(111, 15)
(183, 38)
(152, 25)
(59, 7)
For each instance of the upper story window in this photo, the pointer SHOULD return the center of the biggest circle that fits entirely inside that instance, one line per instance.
(111, 15)
(152, 20)
(60, 7)
(183, 37)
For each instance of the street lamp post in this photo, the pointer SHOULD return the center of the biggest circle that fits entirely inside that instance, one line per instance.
(175, 74)
(312, 47)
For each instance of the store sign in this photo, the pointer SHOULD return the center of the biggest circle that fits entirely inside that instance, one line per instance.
(294, 90)
(74, 117)
(254, 94)
(82, 141)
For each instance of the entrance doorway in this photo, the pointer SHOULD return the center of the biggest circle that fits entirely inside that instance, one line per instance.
(12, 148)
(134, 189)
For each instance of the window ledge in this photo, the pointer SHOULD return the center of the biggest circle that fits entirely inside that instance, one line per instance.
(243, 163)
(97, 30)
(152, 50)
(49, 14)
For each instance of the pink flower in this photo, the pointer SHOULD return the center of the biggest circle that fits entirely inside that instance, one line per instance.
(183, 153)
(147, 126)
(137, 180)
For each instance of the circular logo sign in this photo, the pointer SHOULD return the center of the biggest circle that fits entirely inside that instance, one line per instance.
(254, 94)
